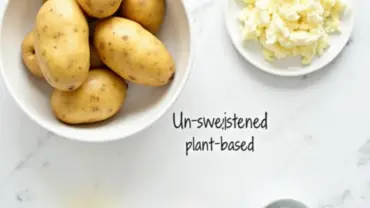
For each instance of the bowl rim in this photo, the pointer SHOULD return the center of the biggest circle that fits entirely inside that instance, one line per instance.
(92, 138)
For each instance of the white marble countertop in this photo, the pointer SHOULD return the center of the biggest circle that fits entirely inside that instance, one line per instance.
(317, 144)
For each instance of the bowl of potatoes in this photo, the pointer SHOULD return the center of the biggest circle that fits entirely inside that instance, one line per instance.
(95, 70)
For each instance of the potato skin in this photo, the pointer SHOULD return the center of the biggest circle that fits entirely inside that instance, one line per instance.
(100, 8)
(62, 44)
(133, 52)
(95, 61)
(148, 13)
(99, 98)
(29, 56)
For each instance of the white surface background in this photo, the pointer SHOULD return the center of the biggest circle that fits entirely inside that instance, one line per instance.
(318, 142)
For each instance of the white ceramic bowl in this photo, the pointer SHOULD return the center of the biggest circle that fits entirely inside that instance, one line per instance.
(144, 105)
(290, 67)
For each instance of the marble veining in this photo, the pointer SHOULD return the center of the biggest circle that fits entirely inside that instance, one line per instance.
(364, 154)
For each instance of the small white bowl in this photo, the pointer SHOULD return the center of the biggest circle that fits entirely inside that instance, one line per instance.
(290, 67)
(144, 105)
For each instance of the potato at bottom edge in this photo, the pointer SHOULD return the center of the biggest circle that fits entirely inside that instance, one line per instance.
(98, 99)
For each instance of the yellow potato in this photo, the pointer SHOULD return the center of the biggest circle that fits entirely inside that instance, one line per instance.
(28, 55)
(99, 98)
(62, 44)
(149, 13)
(100, 8)
(133, 52)
(95, 61)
